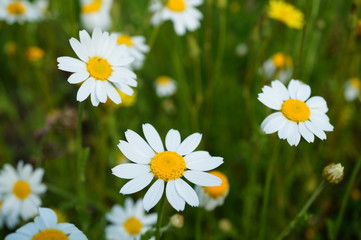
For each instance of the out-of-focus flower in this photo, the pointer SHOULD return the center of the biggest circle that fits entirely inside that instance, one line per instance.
(183, 13)
(151, 161)
(299, 115)
(19, 11)
(60, 215)
(102, 67)
(165, 86)
(127, 100)
(211, 197)
(234, 6)
(333, 172)
(177, 221)
(34, 53)
(21, 188)
(279, 66)
(358, 28)
(225, 225)
(286, 13)
(352, 89)
(241, 49)
(96, 14)
(46, 227)
(128, 222)
(10, 48)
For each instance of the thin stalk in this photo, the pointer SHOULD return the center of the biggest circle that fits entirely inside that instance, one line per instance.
(160, 216)
(198, 231)
(301, 213)
(153, 37)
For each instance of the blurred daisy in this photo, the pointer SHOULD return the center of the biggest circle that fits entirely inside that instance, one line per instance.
(128, 222)
(136, 48)
(46, 227)
(165, 86)
(182, 13)
(286, 13)
(352, 89)
(297, 116)
(10, 220)
(101, 68)
(34, 53)
(279, 66)
(211, 197)
(20, 11)
(167, 166)
(21, 188)
(127, 101)
(96, 14)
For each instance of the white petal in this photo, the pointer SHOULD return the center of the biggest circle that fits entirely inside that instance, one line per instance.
(137, 184)
(78, 77)
(273, 123)
(153, 195)
(79, 49)
(189, 144)
(202, 178)
(194, 156)
(130, 170)
(138, 142)
(186, 192)
(132, 153)
(48, 215)
(306, 134)
(283, 132)
(280, 89)
(100, 91)
(153, 138)
(293, 88)
(270, 98)
(317, 103)
(70, 64)
(205, 164)
(303, 93)
(95, 101)
(293, 137)
(173, 197)
(315, 130)
(112, 93)
(85, 89)
(172, 140)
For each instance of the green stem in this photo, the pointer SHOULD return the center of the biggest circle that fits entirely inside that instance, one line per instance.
(153, 37)
(305, 207)
(160, 216)
(198, 231)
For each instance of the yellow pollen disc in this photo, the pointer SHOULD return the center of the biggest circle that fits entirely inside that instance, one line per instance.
(21, 189)
(355, 83)
(133, 226)
(50, 234)
(163, 80)
(16, 8)
(99, 68)
(94, 6)
(168, 165)
(279, 60)
(219, 191)
(125, 39)
(295, 110)
(176, 5)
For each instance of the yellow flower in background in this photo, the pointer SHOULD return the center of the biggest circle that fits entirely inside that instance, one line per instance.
(96, 13)
(127, 100)
(333, 172)
(60, 215)
(34, 53)
(10, 48)
(352, 89)
(286, 13)
(279, 66)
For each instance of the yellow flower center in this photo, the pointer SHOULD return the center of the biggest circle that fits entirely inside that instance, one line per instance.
(21, 189)
(163, 80)
(94, 6)
(50, 234)
(280, 60)
(16, 8)
(125, 39)
(295, 110)
(167, 165)
(99, 68)
(176, 5)
(219, 191)
(133, 226)
(355, 83)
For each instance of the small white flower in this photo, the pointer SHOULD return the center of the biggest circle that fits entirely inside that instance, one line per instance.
(165, 86)
(182, 13)
(352, 89)
(10, 220)
(46, 227)
(20, 11)
(21, 188)
(279, 66)
(299, 115)
(151, 161)
(101, 68)
(96, 14)
(333, 172)
(129, 222)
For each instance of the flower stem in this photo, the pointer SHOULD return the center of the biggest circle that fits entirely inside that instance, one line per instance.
(160, 216)
(198, 231)
(301, 213)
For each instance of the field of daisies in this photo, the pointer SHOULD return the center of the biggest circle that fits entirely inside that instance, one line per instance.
(180, 119)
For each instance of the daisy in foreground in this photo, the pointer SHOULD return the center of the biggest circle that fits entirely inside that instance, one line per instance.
(21, 188)
(102, 68)
(128, 222)
(297, 116)
(46, 227)
(182, 13)
(151, 161)
(286, 13)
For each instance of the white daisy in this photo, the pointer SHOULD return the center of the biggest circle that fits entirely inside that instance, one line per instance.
(165, 86)
(96, 14)
(136, 48)
(102, 67)
(297, 116)
(211, 197)
(279, 66)
(182, 13)
(46, 227)
(21, 188)
(167, 166)
(20, 11)
(10, 220)
(352, 89)
(128, 222)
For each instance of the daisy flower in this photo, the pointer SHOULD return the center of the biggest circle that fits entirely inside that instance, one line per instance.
(10, 220)
(101, 68)
(299, 115)
(20, 11)
(136, 48)
(182, 13)
(168, 167)
(165, 86)
(211, 197)
(352, 89)
(96, 14)
(128, 222)
(21, 188)
(279, 66)
(46, 227)
(286, 13)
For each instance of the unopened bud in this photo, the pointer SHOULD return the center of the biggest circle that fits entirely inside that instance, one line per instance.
(177, 221)
(333, 172)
